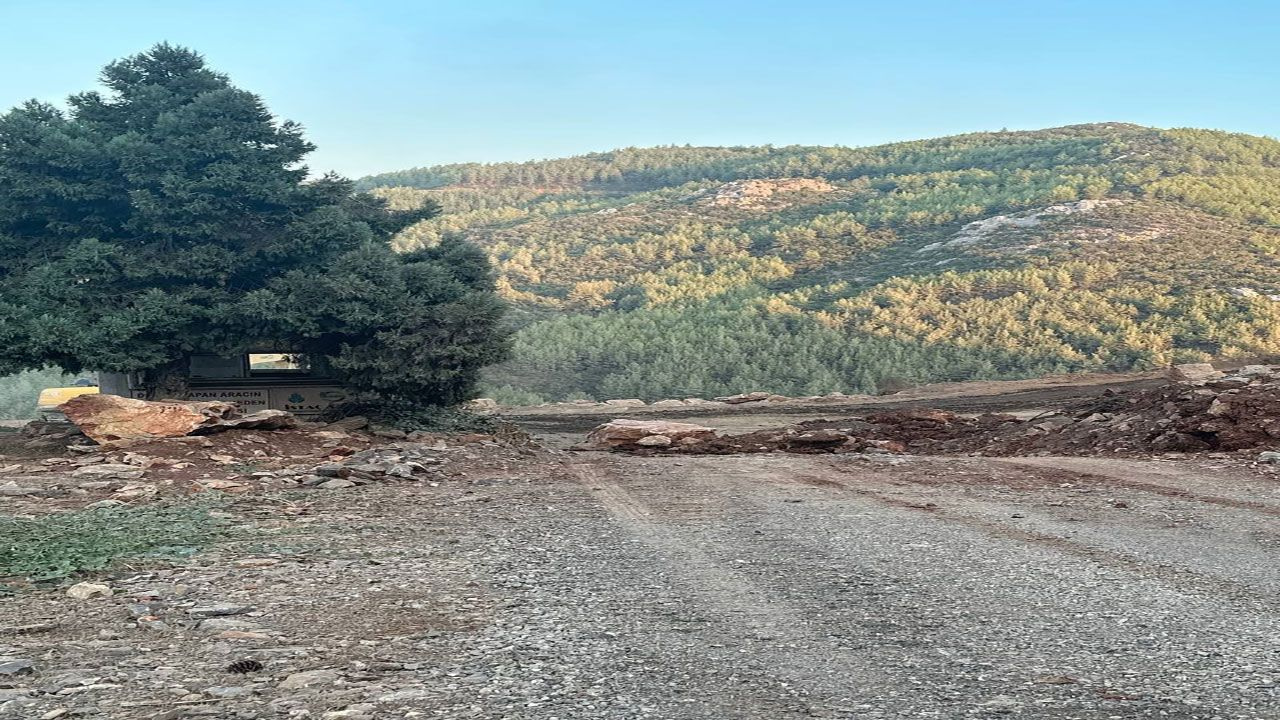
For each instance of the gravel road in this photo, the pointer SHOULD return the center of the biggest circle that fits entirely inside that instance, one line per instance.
(760, 586)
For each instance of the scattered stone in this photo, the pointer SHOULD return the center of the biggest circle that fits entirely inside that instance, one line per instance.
(9, 668)
(242, 635)
(140, 610)
(1269, 456)
(219, 624)
(219, 610)
(629, 402)
(332, 470)
(228, 692)
(363, 711)
(389, 433)
(336, 484)
(86, 590)
(115, 471)
(13, 489)
(309, 679)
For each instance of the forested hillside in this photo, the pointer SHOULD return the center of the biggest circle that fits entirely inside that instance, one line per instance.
(677, 271)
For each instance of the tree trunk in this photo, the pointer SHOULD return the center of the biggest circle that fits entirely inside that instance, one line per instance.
(169, 381)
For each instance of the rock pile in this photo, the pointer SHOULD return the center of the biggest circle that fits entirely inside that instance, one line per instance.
(390, 462)
(1234, 412)
(636, 434)
(1204, 411)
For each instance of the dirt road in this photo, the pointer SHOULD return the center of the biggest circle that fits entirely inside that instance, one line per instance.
(763, 586)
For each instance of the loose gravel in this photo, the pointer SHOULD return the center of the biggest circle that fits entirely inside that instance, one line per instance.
(756, 587)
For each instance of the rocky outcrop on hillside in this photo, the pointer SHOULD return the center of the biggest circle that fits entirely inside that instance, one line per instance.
(980, 231)
(755, 193)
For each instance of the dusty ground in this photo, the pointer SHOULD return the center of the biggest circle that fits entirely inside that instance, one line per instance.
(546, 584)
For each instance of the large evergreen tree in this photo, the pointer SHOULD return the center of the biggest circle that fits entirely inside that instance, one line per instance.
(171, 215)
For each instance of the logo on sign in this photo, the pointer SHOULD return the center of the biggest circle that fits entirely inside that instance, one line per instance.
(296, 398)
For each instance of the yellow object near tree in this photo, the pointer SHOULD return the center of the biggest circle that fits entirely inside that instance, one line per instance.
(51, 398)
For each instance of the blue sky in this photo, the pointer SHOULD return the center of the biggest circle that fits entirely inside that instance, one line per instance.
(383, 85)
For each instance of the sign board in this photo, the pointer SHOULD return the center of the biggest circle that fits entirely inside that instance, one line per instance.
(249, 399)
(306, 400)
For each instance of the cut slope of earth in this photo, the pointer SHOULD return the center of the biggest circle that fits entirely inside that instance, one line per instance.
(681, 271)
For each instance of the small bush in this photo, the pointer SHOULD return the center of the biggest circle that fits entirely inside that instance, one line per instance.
(56, 546)
(18, 393)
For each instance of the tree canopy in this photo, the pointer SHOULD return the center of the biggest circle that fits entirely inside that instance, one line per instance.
(170, 214)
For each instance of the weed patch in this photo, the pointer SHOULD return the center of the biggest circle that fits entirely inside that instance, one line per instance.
(56, 546)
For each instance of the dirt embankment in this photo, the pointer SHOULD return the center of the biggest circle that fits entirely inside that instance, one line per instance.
(1235, 413)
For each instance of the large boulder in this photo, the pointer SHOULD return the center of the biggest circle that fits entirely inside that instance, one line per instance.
(1193, 373)
(631, 433)
(111, 418)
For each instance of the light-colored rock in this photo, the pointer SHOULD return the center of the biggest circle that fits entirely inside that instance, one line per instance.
(116, 471)
(1252, 371)
(13, 489)
(86, 590)
(363, 711)
(654, 441)
(228, 692)
(16, 667)
(111, 418)
(1193, 372)
(309, 679)
(744, 398)
(219, 610)
(757, 192)
(629, 432)
(629, 402)
(480, 404)
(222, 624)
(668, 403)
(1269, 456)
(242, 635)
(336, 484)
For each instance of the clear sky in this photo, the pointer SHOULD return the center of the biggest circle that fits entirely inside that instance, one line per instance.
(388, 84)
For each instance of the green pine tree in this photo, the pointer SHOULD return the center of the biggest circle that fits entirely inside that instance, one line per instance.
(171, 214)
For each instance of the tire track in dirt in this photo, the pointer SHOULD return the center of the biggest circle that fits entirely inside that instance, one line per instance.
(1104, 472)
(740, 605)
(1180, 577)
